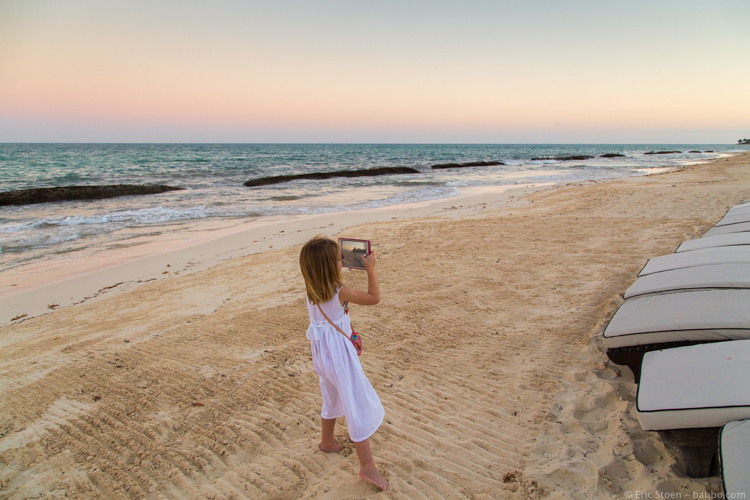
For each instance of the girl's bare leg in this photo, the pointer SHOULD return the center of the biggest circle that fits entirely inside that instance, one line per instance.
(328, 444)
(367, 469)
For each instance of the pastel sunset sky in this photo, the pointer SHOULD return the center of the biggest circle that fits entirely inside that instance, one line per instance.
(474, 71)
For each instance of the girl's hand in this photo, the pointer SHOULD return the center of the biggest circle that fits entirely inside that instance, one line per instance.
(372, 295)
(369, 261)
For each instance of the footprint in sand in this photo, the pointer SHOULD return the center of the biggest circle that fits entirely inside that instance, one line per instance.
(350, 489)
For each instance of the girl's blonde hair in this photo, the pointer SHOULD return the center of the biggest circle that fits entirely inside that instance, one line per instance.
(318, 260)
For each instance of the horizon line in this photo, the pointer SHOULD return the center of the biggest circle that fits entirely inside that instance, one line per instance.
(292, 143)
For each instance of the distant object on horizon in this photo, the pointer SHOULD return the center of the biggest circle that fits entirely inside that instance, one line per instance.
(743, 141)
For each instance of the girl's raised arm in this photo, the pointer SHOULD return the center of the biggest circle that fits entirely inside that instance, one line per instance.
(372, 295)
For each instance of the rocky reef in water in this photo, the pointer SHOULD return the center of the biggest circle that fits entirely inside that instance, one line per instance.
(69, 193)
(468, 164)
(661, 152)
(370, 172)
(611, 155)
(564, 158)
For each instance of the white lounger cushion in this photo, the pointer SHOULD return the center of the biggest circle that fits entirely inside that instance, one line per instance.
(703, 385)
(703, 257)
(715, 276)
(732, 228)
(734, 218)
(673, 317)
(734, 450)
(738, 209)
(722, 240)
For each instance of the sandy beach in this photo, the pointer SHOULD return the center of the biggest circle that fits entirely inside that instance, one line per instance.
(192, 378)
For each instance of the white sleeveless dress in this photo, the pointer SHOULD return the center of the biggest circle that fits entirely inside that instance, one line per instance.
(345, 388)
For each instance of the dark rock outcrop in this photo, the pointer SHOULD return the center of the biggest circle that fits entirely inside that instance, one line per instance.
(370, 172)
(661, 152)
(709, 151)
(469, 164)
(565, 158)
(68, 193)
(611, 155)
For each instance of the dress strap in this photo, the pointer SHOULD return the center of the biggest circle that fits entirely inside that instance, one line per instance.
(332, 323)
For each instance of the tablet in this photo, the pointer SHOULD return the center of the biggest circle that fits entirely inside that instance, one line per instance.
(352, 251)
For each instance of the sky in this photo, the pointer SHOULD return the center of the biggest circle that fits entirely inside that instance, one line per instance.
(365, 71)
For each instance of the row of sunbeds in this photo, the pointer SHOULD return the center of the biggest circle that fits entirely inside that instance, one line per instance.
(684, 331)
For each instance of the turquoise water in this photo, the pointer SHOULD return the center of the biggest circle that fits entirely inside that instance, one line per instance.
(213, 175)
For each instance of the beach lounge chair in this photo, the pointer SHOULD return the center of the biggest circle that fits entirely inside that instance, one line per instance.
(702, 257)
(663, 321)
(722, 240)
(740, 227)
(688, 393)
(736, 220)
(692, 278)
(738, 209)
(731, 218)
(734, 454)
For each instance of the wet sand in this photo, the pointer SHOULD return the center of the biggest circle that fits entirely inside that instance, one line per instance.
(485, 350)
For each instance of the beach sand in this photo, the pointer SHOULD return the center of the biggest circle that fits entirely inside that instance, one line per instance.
(485, 350)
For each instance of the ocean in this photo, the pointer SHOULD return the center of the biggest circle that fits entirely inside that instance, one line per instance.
(213, 177)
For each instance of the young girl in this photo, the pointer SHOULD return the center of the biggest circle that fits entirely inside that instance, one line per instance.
(346, 390)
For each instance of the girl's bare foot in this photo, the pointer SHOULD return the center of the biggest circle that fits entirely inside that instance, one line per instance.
(373, 476)
(333, 447)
